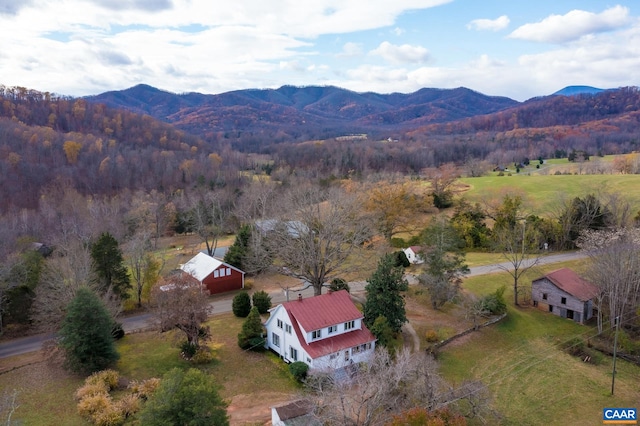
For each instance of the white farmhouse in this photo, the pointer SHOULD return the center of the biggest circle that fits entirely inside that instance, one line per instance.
(323, 331)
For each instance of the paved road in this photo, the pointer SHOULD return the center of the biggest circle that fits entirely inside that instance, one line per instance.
(222, 304)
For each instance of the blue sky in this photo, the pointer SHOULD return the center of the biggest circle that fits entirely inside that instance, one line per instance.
(518, 49)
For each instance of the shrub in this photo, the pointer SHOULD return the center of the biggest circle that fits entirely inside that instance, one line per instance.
(109, 378)
(338, 284)
(129, 405)
(299, 370)
(203, 355)
(89, 406)
(145, 388)
(241, 304)
(382, 330)
(494, 302)
(91, 389)
(431, 336)
(110, 416)
(187, 350)
(262, 301)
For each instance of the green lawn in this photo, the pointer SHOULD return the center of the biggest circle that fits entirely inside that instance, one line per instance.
(545, 194)
(534, 382)
(46, 391)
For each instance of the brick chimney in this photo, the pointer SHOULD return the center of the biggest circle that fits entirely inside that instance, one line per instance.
(299, 297)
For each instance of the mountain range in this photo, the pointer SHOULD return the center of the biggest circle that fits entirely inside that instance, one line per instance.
(317, 112)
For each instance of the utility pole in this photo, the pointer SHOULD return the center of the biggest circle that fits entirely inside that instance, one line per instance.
(615, 346)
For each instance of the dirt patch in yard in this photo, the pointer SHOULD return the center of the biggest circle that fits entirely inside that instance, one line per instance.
(255, 409)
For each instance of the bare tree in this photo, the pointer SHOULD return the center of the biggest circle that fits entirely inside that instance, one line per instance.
(374, 392)
(518, 243)
(67, 270)
(393, 206)
(180, 302)
(615, 269)
(144, 268)
(207, 218)
(323, 228)
(442, 180)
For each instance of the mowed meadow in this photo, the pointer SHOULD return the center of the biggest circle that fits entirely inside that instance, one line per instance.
(544, 194)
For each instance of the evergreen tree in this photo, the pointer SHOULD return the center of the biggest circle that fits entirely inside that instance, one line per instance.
(383, 294)
(262, 301)
(85, 336)
(185, 398)
(109, 266)
(444, 262)
(251, 336)
(241, 305)
(240, 247)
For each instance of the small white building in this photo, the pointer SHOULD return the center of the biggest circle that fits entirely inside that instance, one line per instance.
(414, 255)
(296, 413)
(325, 332)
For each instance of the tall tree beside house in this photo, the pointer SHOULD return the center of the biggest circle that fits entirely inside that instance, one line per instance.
(252, 334)
(108, 263)
(322, 229)
(444, 264)
(384, 298)
(85, 336)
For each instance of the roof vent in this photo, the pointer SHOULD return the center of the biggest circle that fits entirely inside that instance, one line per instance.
(300, 297)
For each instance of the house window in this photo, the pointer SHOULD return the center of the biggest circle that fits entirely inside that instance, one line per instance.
(287, 328)
(279, 323)
(293, 353)
(563, 300)
(332, 329)
(369, 346)
(308, 360)
(316, 334)
(544, 296)
(349, 325)
(346, 355)
(216, 274)
(550, 308)
(228, 271)
(333, 356)
(275, 339)
(535, 303)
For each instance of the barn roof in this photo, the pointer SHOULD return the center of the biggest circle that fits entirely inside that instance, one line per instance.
(570, 282)
(201, 265)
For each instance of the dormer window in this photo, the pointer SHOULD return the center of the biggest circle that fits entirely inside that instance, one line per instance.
(333, 329)
(349, 325)
(316, 334)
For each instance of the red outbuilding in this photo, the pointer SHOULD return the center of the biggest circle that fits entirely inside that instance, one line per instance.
(214, 274)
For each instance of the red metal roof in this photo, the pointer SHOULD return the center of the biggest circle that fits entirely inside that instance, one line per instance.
(318, 312)
(568, 281)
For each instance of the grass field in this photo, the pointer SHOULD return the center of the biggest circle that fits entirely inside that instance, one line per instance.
(533, 382)
(544, 194)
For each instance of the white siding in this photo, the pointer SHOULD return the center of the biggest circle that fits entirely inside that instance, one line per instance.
(287, 340)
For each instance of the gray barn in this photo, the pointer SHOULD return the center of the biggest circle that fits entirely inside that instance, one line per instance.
(565, 294)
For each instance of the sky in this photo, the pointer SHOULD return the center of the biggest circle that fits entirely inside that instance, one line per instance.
(518, 49)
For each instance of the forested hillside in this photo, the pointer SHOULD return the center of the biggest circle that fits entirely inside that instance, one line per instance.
(98, 150)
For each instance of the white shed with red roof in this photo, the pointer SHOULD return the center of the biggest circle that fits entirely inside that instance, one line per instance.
(325, 331)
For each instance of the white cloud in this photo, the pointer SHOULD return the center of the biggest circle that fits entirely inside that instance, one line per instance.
(405, 53)
(351, 49)
(573, 25)
(489, 24)
(398, 31)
